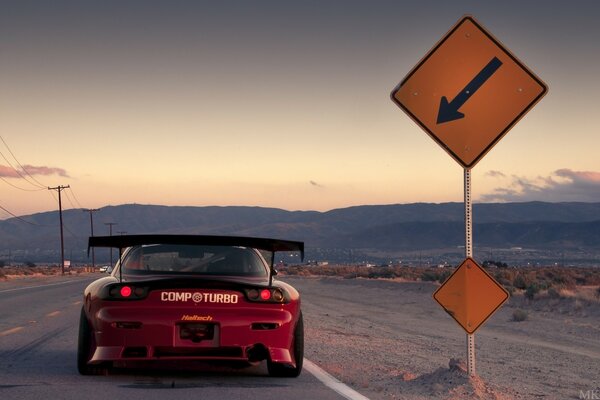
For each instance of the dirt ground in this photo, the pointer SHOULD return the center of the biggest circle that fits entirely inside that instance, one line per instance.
(391, 340)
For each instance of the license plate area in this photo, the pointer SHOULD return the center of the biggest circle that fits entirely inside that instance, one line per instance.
(196, 334)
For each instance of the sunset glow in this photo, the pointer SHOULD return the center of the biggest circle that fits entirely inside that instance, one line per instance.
(275, 104)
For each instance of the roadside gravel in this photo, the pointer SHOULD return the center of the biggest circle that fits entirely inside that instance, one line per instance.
(390, 340)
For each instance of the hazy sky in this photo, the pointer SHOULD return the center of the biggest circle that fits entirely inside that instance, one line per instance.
(275, 103)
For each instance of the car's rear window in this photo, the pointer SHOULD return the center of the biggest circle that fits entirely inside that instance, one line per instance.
(194, 259)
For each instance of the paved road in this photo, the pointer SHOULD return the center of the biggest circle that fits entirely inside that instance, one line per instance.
(38, 336)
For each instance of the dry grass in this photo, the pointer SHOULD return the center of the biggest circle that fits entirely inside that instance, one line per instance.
(516, 278)
(21, 272)
(519, 315)
(532, 283)
(568, 290)
(353, 271)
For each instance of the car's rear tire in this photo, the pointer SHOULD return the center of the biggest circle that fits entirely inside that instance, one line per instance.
(85, 349)
(286, 370)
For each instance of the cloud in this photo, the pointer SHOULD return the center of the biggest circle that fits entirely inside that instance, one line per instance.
(495, 174)
(562, 185)
(9, 172)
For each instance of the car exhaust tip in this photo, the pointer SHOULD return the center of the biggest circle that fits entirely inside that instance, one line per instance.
(256, 353)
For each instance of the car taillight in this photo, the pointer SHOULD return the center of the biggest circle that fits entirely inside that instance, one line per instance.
(252, 294)
(124, 292)
(266, 295)
(277, 296)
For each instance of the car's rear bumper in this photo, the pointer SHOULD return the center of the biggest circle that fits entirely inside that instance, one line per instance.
(131, 333)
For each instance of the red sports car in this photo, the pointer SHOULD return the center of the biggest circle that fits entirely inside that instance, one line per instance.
(190, 297)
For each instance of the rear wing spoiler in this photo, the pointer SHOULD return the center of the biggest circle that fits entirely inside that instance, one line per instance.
(273, 245)
(124, 241)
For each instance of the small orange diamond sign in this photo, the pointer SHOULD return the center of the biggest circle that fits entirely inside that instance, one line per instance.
(468, 91)
(470, 295)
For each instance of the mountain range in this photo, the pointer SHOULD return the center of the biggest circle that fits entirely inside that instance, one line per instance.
(378, 232)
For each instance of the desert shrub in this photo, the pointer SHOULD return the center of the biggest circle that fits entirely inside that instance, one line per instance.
(532, 290)
(519, 282)
(563, 280)
(435, 275)
(519, 315)
(443, 276)
(508, 274)
(580, 280)
(503, 281)
(592, 276)
(353, 272)
(300, 271)
(553, 293)
(499, 264)
(385, 272)
(429, 276)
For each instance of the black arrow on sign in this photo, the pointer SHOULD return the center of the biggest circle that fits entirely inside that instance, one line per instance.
(449, 110)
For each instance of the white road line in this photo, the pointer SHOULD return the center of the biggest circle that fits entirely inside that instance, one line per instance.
(39, 286)
(11, 331)
(332, 383)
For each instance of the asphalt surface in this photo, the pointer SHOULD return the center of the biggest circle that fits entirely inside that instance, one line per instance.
(38, 341)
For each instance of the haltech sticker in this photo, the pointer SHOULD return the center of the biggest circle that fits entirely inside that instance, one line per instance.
(198, 297)
(194, 317)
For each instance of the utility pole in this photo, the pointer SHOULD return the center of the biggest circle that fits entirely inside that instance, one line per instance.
(59, 189)
(92, 211)
(110, 225)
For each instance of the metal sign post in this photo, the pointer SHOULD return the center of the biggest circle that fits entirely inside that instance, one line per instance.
(471, 354)
(468, 215)
(467, 92)
(469, 254)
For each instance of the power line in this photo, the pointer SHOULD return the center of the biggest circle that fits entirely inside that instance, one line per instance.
(18, 218)
(54, 196)
(70, 201)
(76, 237)
(75, 198)
(39, 185)
(17, 171)
(20, 188)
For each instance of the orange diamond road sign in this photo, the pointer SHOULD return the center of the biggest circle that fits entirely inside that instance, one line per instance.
(470, 295)
(468, 91)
